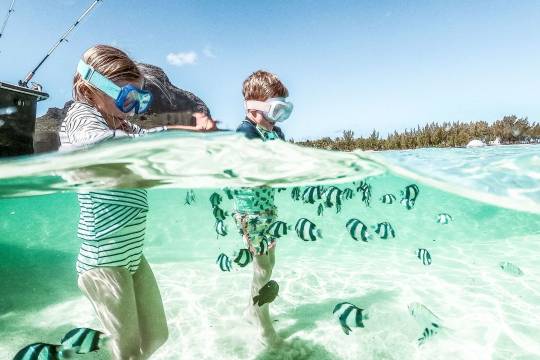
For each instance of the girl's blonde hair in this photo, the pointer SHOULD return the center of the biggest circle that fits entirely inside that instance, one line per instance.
(111, 62)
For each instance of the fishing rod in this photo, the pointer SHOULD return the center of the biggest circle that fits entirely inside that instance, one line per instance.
(11, 10)
(62, 39)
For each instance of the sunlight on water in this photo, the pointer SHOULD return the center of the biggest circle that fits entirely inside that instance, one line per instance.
(486, 309)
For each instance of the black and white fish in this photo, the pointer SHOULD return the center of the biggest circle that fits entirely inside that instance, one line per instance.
(320, 210)
(306, 230)
(243, 257)
(423, 255)
(267, 293)
(229, 193)
(358, 230)
(365, 188)
(278, 229)
(332, 197)
(40, 351)
(190, 197)
(428, 332)
(427, 319)
(215, 199)
(349, 315)
(409, 196)
(385, 230)
(264, 246)
(295, 193)
(444, 218)
(348, 194)
(388, 199)
(221, 228)
(83, 340)
(224, 262)
(510, 268)
(312, 194)
(219, 213)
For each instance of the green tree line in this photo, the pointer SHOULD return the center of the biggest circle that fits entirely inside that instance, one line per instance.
(508, 130)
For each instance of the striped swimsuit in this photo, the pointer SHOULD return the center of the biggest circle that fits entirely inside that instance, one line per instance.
(112, 223)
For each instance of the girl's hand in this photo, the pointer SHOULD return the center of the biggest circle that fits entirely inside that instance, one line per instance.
(203, 122)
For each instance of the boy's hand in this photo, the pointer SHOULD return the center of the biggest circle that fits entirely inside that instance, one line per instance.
(203, 122)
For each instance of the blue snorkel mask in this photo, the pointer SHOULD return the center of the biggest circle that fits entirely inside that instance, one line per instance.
(127, 98)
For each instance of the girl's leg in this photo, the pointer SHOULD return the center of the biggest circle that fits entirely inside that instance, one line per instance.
(262, 272)
(110, 290)
(152, 321)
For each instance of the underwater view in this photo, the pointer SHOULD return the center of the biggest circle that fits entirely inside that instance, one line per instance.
(419, 254)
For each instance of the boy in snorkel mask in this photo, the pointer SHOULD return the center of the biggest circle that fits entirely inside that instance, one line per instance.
(265, 104)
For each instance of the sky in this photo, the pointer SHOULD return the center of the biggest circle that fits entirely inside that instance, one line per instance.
(359, 65)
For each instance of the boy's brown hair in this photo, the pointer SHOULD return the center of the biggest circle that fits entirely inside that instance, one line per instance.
(263, 85)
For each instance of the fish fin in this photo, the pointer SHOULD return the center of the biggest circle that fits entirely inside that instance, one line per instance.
(255, 299)
(365, 315)
(346, 329)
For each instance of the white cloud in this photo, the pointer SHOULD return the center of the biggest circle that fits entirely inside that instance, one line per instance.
(182, 58)
(207, 51)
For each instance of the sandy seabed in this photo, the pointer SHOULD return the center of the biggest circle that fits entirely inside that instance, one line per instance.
(486, 313)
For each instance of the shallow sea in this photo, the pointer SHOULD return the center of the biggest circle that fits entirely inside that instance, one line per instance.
(483, 310)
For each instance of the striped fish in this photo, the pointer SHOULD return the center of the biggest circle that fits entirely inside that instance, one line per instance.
(510, 268)
(263, 247)
(428, 333)
(221, 228)
(295, 193)
(427, 319)
(358, 230)
(306, 230)
(333, 197)
(349, 315)
(312, 194)
(190, 197)
(444, 218)
(423, 255)
(409, 196)
(215, 199)
(320, 210)
(224, 262)
(83, 340)
(39, 351)
(229, 193)
(385, 230)
(278, 229)
(243, 257)
(388, 199)
(219, 214)
(348, 194)
(365, 188)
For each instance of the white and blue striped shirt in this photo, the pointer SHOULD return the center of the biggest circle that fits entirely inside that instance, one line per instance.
(112, 223)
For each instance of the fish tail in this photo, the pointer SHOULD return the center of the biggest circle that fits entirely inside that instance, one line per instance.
(319, 233)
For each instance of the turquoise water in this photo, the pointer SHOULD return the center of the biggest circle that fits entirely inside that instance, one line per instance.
(484, 311)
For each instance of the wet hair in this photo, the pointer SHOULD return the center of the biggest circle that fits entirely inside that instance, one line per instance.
(111, 62)
(263, 85)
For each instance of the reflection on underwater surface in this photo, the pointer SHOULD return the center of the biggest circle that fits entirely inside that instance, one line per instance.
(483, 307)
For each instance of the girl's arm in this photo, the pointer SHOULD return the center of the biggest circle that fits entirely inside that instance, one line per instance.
(203, 123)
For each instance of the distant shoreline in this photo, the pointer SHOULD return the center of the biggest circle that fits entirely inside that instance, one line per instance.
(510, 130)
